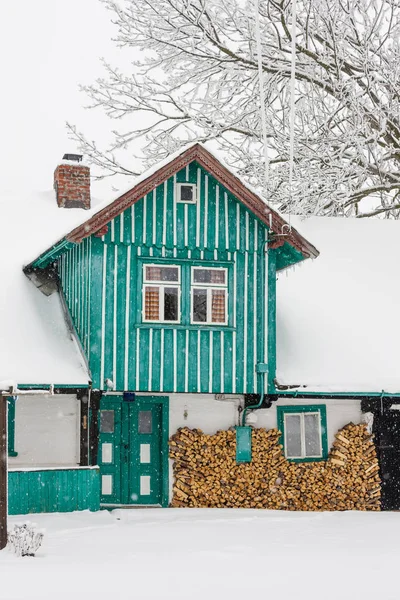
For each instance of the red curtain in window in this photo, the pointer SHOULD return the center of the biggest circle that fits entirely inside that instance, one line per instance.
(152, 304)
(217, 276)
(218, 306)
(153, 273)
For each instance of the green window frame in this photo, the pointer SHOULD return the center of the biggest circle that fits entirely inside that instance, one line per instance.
(186, 285)
(11, 426)
(285, 412)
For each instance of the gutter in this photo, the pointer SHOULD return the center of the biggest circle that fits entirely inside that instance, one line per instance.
(337, 395)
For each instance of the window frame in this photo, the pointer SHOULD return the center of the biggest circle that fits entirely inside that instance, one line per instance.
(301, 410)
(209, 287)
(161, 285)
(178, 187)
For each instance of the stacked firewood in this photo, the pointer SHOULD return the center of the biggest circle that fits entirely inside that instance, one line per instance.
(206, 473)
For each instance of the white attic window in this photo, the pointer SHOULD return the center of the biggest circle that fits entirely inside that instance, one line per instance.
(186, 192)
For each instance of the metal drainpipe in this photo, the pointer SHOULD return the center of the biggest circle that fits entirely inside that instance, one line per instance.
(263, 317)
(255, 406)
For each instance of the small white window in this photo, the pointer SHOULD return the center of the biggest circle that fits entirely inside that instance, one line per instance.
(161, 294)
(209, 295)
(303, 435)
(186, 192)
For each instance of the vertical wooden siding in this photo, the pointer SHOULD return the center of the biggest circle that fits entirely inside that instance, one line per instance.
(58, 490)
(107, 271)
(75, 276)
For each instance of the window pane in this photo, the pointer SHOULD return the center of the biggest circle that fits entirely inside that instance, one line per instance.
(152, 304)
(186, 193)
(171, 304)
(199, 306)
(209, 276)
(312, 434)
(106, 421)
(162, 274)
(106, 485)
(292, 436)
(218, 306)
(106, 453)
(144, 421)
(145, 489)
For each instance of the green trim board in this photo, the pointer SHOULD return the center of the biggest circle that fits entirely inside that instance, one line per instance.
(11, 426)
(51, 255)
(304, 409)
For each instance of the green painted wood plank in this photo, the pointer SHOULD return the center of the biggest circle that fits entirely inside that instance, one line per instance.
(144, 360)
(170, 213)
(156, 361)
(271, 319)
(216, 373)
(250, 363)
(53, 491)
(181, 359)
(109, 302)
(139, 223)
(121, 314)
(168, 374)
(204, 361)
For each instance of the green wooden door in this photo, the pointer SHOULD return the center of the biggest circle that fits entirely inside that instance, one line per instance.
(111, 453)
(133, 446)
(146, 468)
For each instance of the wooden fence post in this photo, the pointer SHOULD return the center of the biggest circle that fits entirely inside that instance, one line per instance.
(3, 471)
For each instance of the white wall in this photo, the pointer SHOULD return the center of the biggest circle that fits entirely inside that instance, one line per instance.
(338, 413)
(201, 411)
(46, 431)
(204, 412)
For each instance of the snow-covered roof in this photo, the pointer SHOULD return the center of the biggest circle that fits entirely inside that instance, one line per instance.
(99, 216)
(35, 344)
(338, 326)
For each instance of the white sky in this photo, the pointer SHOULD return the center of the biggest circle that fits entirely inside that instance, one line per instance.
(47, 48)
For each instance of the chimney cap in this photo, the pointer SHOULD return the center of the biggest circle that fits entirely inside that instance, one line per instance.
(74, 157)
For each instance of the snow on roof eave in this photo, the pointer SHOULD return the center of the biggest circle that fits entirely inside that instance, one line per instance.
(158, 174)
(334, 389)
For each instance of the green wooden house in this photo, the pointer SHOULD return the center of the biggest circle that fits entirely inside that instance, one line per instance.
(170, 293)
(160, 310)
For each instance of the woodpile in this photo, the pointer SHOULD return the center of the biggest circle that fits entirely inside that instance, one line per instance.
(206, 473)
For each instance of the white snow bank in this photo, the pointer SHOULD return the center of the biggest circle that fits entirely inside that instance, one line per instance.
(35, 344)
(337, 316)
(212, 554)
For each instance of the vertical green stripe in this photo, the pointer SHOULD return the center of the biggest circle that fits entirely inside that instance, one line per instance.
(271, 320)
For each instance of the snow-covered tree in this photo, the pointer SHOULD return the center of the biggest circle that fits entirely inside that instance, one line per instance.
(195, 77)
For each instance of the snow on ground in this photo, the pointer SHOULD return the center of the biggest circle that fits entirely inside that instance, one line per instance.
(191, 554)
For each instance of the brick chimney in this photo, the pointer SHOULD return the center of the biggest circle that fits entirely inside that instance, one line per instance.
(72, 183)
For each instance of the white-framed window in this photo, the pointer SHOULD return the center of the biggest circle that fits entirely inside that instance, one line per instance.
(186, 192)
(161, 293)
(209, 296)
(302, 435)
